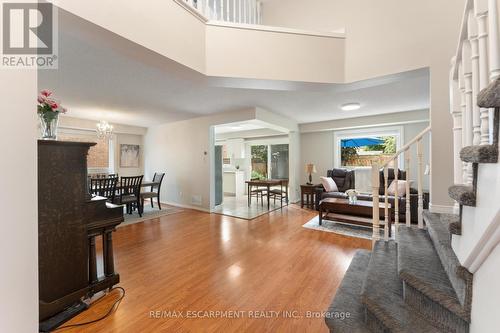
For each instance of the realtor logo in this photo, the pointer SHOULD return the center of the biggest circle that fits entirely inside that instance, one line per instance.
(29, 38)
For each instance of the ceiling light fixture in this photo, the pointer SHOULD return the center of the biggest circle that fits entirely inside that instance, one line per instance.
(104, 129)
(350, 107)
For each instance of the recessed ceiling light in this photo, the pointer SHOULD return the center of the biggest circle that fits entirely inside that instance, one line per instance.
(350, 107)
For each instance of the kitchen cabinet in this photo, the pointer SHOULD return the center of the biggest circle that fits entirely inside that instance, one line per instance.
(233, 183)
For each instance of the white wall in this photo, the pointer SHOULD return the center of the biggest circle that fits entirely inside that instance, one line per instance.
(391, 36)
(18, 204)
(318, 148)
(486, 295)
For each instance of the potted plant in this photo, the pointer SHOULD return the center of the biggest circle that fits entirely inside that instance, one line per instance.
(48, 113)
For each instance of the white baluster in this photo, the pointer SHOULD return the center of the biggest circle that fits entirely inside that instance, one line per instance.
(216, 9)
(482, 35)
(234, 11)
(494, 51)
(207, 10)
(254, 10)
(245, 11)
(467, 67)
(228, 11)
(456, 113)
(463, 107)
(474, 43)
(386, 204)
(240, 11)
(407, 169)
(420, 172)
(222, 10)
(396, 192)
(376, 206)
(494, 40)
(259, 12)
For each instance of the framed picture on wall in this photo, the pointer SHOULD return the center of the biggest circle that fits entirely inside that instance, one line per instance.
(129, 156)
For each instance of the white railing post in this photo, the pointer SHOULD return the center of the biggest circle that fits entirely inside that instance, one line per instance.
(467, 68)
(474, 57)
(396, 193)
(259, 12)
(482, 35)
(234, 11)
(420, 159)
(228, 12)
(408, 206)
(456, 113)
(463, 107)
(387, 216)
(376, 206)
(494, 39)
(240, 10)
(222, 10)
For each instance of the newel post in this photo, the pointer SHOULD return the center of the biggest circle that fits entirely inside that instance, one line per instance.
(375, 194)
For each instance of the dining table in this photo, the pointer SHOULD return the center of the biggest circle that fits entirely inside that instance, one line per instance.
(267, 183)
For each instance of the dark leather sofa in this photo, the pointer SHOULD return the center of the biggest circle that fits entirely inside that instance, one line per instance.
(345, 180)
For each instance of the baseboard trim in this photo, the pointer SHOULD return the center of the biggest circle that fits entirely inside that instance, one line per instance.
(442, 209)
(175, 204)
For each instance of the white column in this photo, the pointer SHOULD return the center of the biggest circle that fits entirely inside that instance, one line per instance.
(482, 35)
(474, 43)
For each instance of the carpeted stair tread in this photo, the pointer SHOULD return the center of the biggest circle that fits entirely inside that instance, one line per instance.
(437, 229)
(382, 294)
(420, 266)
(479, 154)
(463, 194)
(347, 298)
(489, 97)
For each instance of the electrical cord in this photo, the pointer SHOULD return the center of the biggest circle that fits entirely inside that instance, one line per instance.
(110, 311)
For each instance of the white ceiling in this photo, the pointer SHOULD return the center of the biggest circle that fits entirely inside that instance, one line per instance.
(104, 76)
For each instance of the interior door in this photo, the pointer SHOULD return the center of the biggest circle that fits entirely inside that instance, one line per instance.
(218, 175)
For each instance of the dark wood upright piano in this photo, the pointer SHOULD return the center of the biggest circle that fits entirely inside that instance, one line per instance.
(69, 220)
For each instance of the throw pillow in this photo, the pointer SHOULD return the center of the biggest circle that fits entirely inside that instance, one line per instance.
(329, 184)
(391, 190)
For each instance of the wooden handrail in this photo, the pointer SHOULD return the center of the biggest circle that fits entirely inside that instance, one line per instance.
(406, 146)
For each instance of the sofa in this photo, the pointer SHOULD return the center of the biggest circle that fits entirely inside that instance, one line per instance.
(345, 180)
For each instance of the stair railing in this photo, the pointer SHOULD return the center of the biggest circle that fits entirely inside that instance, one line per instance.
(475, 65)
(232, 11)
(404, 153)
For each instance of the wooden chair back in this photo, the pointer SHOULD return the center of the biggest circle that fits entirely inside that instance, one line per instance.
(131, 185)
(103, 187)
(157, 178)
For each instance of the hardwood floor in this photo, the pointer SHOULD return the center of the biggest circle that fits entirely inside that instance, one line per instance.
(193, 261)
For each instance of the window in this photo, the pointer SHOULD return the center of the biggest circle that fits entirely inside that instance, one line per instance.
(361, 152)
(270, 161)
(361, 148)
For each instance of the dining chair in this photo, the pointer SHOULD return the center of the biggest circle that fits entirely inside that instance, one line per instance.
(104, 187)
(154, 191)
(280, 193)
(130, 193)
(258, 191)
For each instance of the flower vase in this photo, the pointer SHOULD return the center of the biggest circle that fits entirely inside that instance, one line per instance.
(48, 125)
(353, 199)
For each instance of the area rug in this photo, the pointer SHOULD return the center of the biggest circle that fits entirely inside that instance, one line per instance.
(149, 213)
(341, 228)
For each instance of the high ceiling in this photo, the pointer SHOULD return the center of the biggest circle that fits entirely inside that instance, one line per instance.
(104, 76)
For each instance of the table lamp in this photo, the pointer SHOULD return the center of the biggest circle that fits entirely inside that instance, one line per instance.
(310, 169)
